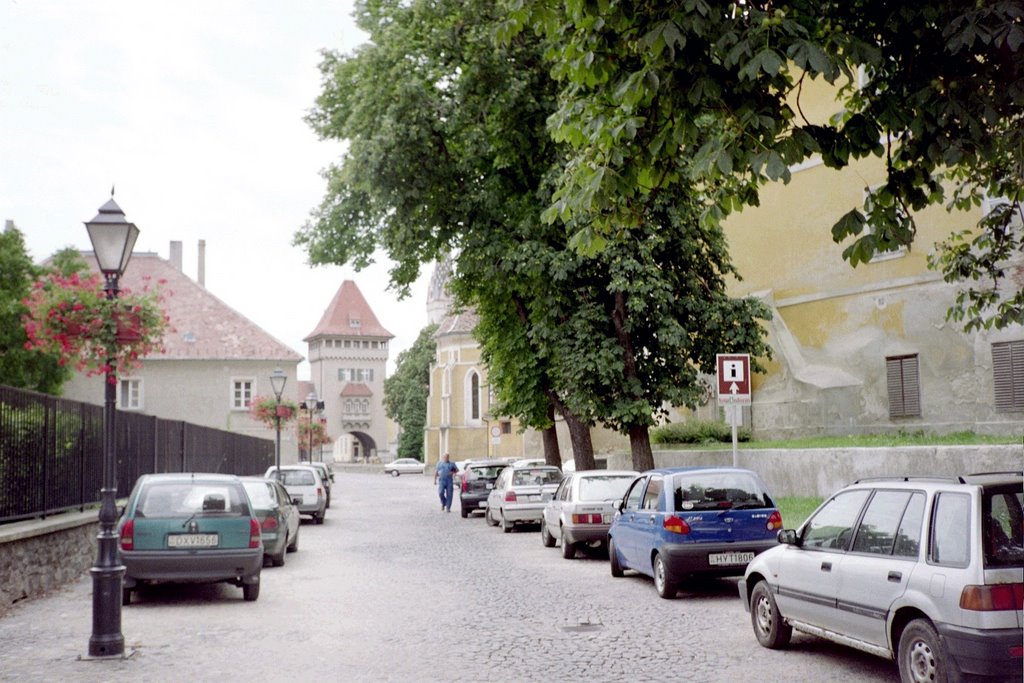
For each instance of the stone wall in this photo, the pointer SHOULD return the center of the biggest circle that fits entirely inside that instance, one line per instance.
(39, 556)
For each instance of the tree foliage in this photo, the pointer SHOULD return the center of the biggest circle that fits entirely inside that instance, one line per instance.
(407, 391)
(19, 366)
(696, 93)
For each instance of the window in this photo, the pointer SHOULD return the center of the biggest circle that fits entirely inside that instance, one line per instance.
(1002, 519)
(353, 322)
(908, 537)
(635, 494)
(652, 493)
(506, 427)
(1008, 376)
(904, 386)
(241, 393)
(130, 394)
(474, 396)
(832, 526)
(877, 531)
(951, 530)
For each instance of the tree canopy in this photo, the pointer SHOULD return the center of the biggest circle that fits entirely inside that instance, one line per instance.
(407, 391)
(935, 89)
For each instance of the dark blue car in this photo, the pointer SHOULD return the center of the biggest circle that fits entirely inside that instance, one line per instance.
(679, 522)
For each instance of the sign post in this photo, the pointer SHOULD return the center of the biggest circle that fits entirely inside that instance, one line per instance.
(734, 385)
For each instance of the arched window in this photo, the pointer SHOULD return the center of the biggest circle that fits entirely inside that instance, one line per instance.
(474, 396)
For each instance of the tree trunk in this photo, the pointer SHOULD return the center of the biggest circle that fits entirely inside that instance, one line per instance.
(552, 454)
(640, 446)
(582, 445)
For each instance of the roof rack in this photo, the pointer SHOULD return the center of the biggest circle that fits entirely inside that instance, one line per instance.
(865, 480)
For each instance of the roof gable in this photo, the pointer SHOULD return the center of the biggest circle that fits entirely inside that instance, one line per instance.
(348, 315)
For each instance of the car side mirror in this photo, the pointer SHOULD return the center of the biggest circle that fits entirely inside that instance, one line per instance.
(788, 537)
(296, 501)
(619, 505)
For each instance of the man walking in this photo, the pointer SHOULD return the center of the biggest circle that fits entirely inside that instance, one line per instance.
(445, 482)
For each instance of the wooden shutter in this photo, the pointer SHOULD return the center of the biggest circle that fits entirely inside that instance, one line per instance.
(1008, 376)
(904, 386)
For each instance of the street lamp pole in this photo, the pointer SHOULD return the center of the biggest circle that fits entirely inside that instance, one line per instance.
(277, 381)
(113, 239)
(310, 405)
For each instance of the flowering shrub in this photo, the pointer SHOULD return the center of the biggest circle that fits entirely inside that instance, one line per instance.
(265, 409)
(71, 317)
(311, 433)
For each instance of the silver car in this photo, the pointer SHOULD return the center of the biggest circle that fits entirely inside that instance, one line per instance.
(403, 466)
(305, 487)
(582, 509)
(520, 494)
(926, 571)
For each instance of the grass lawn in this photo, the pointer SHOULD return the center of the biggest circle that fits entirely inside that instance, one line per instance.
(796, 509)
(861, 440)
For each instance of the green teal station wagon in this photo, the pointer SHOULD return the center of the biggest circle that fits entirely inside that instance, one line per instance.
(190, 528)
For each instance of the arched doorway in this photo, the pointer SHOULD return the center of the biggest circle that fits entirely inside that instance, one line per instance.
(364, 448)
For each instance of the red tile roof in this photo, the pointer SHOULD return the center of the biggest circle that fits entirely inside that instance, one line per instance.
(348, 307)
(356, 389)
(203, 326)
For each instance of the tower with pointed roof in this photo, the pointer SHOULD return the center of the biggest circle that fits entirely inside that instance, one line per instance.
(348, 355)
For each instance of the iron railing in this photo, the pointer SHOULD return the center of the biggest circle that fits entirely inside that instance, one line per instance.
(51, 452)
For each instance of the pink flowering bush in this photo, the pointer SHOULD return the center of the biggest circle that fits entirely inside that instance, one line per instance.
(265, 409)
(71, 317)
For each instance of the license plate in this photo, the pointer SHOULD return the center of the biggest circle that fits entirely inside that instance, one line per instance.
(482, 503)
(192, 541)
(490, 486)
(723, 559)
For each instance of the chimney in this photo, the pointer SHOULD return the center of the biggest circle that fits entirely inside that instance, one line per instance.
(176, 254)
(8, 225)
(201, 272)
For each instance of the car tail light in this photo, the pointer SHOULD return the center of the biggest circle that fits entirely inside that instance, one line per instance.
(588, 518)
(774, 521)
(128, 535)
(465, 484)
(255, 536)
(510, 496)
(676, 525)
(993, 598)
(270, 523)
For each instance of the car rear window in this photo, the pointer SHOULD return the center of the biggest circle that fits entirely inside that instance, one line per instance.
(536, 477)
(488, 472)
(604, 487)
(1002, 527)
(723, 490)
(259, 494)
(183, 499)
(298, 478)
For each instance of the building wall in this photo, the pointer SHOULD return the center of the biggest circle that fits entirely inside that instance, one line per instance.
(199, 392)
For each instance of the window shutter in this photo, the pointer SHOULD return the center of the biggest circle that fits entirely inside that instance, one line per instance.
(904, 386)
(1008, 376)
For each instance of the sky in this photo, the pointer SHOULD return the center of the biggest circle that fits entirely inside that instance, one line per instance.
(193, 111)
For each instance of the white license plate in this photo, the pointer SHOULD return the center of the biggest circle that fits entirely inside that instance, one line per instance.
(490, 486)
(482, 503)
(192, 541)
(724, 559)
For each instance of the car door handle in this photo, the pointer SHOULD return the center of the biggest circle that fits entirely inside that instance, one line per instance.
(826, 566)
(896, 577)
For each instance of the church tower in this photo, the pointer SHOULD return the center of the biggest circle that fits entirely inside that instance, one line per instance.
(348, 355)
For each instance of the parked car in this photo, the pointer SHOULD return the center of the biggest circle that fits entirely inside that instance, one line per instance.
(582, 509)
(306, 489)
(520, 494)
(190, 528)
(403, 466)
(278, 517)
(926, 571)
(680, 522)
(457, 477)
(326, 476)
(477, 481)
(529, 462)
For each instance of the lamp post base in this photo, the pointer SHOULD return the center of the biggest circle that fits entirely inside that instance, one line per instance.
(107, 639)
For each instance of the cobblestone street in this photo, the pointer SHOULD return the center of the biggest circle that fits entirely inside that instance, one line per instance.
(390, 588)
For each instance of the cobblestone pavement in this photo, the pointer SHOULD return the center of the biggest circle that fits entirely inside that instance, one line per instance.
(390, 588)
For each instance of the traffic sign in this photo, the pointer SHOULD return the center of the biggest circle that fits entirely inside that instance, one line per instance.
(733, 377)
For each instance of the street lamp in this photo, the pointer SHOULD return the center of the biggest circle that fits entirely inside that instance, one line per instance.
(277, 381)
(113, 239)
(309, 406)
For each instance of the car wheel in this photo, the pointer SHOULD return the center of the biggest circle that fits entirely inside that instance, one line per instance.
(126, 596)
(770, 628)
(251, 591)
(295, 543)
(665, 587)
(318, 518)
(394, 473)
(545, 536)
(489, 518)
(506, 525)
(613, 559)
(464, 512)
(922, 657)
(278, 561)
(568, 549)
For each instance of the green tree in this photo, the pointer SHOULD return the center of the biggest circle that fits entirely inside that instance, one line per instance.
(20, 367)
(406, 392)
(699, 94)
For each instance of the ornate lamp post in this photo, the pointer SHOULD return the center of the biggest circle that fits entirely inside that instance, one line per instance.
(309, 406)
(113, 239)
(277, 381)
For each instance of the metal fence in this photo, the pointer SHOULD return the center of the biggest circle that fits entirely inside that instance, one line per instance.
(51, 452)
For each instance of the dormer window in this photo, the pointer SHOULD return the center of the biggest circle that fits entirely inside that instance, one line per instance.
(353, 322)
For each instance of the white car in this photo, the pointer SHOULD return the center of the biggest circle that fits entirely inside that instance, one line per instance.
(520, 494)
(306, 488)
(403, 466)
(582, 508)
